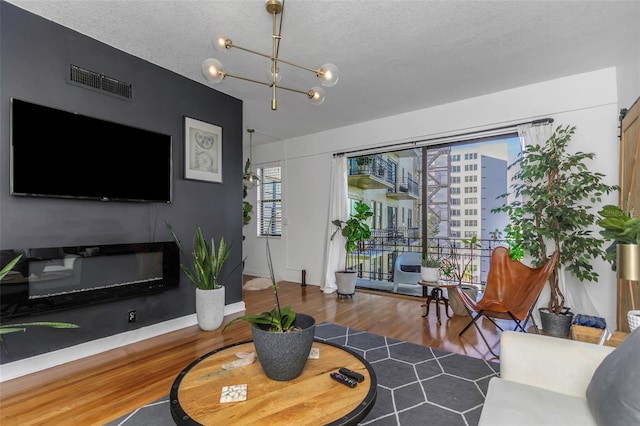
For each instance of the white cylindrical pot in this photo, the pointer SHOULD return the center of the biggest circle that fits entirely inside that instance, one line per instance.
(346, 282)
(429, 274)
(210, 308)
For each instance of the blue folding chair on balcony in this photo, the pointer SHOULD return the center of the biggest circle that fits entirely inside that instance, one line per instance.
(407, 269)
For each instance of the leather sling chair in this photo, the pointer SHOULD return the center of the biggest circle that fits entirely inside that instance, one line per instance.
(511, 292)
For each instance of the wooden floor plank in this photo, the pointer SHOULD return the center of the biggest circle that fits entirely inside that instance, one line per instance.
(103, 387)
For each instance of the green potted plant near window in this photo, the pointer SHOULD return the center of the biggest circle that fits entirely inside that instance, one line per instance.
(553, 192)
(430, 268)
(282, 338)
(205, 272)
(354, 230)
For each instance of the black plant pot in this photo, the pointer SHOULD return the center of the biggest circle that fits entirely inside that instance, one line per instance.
(284, 355)
(558, 325)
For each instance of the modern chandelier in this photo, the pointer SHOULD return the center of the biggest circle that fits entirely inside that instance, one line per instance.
(214, 71)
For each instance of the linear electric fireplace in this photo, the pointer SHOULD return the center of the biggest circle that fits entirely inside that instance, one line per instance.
(55, 278)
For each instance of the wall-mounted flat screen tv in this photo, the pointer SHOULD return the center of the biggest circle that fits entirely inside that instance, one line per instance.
(57, 153)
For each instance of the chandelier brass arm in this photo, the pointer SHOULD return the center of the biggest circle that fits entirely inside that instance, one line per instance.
(322, 71)
(315, 92)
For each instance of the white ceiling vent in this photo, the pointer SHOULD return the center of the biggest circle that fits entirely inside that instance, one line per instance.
(100, 82)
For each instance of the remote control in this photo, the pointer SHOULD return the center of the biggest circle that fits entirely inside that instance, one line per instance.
(352, 374)
(343, 379)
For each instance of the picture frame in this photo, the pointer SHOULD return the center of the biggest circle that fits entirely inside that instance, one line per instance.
(202, 151)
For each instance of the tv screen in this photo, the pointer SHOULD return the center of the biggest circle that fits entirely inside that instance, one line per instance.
(57, 153)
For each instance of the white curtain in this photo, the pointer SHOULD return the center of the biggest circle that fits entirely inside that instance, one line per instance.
(338, 209)
(538, 135)
(534, 135)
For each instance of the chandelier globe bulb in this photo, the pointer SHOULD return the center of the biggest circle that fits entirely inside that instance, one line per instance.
(316, 95)
(328, 74)
(212, 70)
(221, 43)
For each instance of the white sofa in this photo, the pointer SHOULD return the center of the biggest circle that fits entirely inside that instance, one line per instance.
(544, 380)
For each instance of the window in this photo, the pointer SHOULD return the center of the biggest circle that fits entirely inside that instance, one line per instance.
(392, 214)
(449, 202)
(270, 201)
(377, 215)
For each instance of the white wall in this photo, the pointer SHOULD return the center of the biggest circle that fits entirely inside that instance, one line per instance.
(589, 101)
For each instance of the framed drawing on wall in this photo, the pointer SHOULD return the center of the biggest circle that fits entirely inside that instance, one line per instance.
(202, 151)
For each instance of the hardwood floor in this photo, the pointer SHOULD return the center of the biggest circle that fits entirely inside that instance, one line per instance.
(100, 388)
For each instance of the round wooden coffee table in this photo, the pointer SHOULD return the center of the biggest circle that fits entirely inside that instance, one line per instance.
(313, 398)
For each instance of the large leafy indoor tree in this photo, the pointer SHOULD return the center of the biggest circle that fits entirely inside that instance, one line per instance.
(553, 193)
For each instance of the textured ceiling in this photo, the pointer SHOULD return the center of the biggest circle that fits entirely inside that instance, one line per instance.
(394, 56)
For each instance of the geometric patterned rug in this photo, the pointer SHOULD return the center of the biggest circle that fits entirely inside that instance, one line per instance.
(416, 384)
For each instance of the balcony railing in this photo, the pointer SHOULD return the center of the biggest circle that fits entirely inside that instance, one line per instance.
(406, 186)
(375, 258)
(374, 167)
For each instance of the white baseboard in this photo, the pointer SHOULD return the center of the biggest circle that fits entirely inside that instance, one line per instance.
(36, 363)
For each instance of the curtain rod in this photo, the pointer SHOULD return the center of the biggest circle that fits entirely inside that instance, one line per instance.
(459, 135)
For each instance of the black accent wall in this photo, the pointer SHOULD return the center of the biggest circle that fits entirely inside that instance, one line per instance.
(35, 57)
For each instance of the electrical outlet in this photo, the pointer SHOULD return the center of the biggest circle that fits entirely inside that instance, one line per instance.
(132, 315)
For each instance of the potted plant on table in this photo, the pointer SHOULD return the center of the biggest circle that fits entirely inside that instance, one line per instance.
(282, 338)
(205, 273)
(430, 268)
(354, 230)
(553, 192)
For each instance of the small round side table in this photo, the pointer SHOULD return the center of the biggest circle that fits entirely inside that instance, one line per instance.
(437, 296)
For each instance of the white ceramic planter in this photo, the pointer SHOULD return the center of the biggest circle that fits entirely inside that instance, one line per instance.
(346, 282)
(210, 308)
(429, 274)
